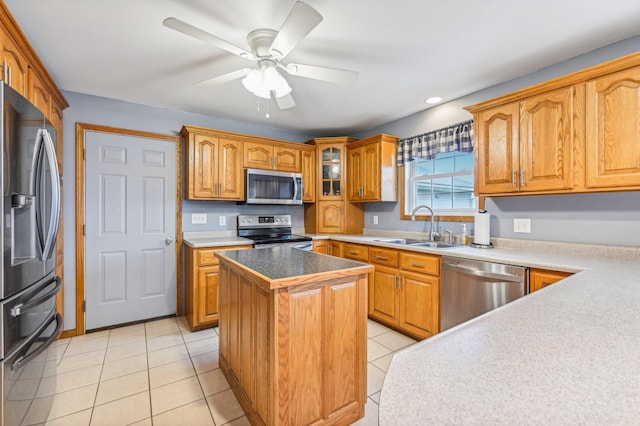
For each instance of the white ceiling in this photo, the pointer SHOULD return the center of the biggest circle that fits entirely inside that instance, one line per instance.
(404, 50)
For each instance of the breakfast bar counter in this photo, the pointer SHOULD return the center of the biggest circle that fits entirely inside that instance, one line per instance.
(293, 332)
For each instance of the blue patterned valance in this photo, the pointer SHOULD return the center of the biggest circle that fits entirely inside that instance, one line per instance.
(458, 137)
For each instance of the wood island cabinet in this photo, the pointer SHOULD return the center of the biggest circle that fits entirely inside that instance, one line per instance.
(214, 170)
(293, 349)
(202, 273)
(540, 278)
(259, 155)
(372, 172)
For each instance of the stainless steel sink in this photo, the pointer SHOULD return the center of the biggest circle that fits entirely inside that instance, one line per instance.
(434, 244)
(416, 243)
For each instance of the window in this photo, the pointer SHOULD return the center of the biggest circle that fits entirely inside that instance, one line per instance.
(445, 183)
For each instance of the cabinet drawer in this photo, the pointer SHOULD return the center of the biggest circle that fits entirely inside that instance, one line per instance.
(356, 252)
(425, 263)
(383, 256)
(206, 257)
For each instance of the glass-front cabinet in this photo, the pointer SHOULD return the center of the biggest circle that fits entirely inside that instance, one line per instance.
(331, 169)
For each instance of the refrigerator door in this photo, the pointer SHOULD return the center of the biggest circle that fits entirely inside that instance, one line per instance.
(31, 188)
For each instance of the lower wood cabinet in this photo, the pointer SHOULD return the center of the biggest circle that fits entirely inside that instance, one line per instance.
(540, 278)
(321, 246)
(404, 289)
(202, 281)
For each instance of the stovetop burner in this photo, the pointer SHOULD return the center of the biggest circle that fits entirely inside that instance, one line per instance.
(268, 229)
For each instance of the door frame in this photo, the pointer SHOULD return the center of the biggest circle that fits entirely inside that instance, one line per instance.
(81, 129)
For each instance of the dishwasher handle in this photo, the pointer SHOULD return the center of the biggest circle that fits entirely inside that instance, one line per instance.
(484, 274)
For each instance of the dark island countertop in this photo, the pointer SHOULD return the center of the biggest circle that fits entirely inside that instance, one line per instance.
(286, 266)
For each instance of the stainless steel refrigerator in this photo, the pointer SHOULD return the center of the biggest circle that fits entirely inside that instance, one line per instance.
(30, 206)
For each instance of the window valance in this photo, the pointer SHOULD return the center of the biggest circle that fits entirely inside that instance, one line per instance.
(458, 137)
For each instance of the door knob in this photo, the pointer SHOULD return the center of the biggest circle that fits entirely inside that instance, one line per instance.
(168, 240)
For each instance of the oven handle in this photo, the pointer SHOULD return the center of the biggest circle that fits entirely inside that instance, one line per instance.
(22, 360)
(19, 309)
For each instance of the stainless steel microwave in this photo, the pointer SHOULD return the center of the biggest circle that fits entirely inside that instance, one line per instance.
(273, 187)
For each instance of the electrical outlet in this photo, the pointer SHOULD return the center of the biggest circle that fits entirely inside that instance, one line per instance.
(522, 226)
(198, 218)
(222, 221)
(375, 220)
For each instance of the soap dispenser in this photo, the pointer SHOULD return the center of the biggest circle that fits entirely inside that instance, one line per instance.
(464, 234)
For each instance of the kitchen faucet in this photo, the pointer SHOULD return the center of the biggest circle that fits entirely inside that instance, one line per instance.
(433, 235)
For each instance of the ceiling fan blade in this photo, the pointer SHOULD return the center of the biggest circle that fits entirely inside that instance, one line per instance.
(332, 75)
(222, 79)
(197, 33)
(285, 102)
(301, 20)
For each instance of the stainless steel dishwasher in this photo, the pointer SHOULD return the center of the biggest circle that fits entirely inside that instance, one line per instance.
(471, 288)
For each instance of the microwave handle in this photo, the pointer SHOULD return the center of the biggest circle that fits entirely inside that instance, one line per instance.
(297, 187)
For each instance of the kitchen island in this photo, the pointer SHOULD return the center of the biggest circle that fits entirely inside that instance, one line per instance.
(293, 332)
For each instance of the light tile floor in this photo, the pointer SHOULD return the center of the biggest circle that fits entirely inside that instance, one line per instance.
(161, 373)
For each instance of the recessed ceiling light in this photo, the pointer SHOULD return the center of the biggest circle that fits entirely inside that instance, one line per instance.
(433, 100)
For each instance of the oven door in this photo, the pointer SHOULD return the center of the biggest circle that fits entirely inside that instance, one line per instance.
(301, 245)
(273, 187)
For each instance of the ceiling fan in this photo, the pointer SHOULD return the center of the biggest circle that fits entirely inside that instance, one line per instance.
(268, 48)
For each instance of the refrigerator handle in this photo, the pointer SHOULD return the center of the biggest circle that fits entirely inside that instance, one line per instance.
(21, 308)
(54, 218)
(22, 360)
(35, 181)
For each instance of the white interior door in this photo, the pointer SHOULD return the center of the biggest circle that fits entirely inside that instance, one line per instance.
(130, 211)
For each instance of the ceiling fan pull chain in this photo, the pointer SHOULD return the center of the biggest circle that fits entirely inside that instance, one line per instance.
(267, 114)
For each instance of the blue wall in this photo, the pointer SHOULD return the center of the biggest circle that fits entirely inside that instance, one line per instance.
(607, 218)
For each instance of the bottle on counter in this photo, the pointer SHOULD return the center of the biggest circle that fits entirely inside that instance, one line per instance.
(464, 235)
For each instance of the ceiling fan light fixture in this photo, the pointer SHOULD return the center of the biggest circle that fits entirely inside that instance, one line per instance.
(264, 81)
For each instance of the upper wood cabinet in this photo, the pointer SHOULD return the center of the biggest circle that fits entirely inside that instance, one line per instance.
(308, 175)
(14, 65)
(214, 170)
(260, 155)
(372, 173)
(332, 213)
(526, 146)
(613, 130)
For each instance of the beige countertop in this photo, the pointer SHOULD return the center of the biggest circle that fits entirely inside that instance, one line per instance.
(566, 354)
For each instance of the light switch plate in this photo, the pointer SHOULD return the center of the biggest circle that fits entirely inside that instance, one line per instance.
(522, 225)
(198, 218)
(222, 221)
(375, 220)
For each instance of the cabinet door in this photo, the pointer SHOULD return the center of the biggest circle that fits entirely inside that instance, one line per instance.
(383, 295)
(330, 169)
(330, 217)
(308, 176)
(546, 142)
(38, 94)
(207, 294)
(335, 248)
(370, 176)
(203, 167)
(286, 159)
(258, 155)
(498, 149)
(230, 172)
(15, 66)
(419, 304)
(355, 170)
(540, 278)
(321, 247)
(613, 130)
